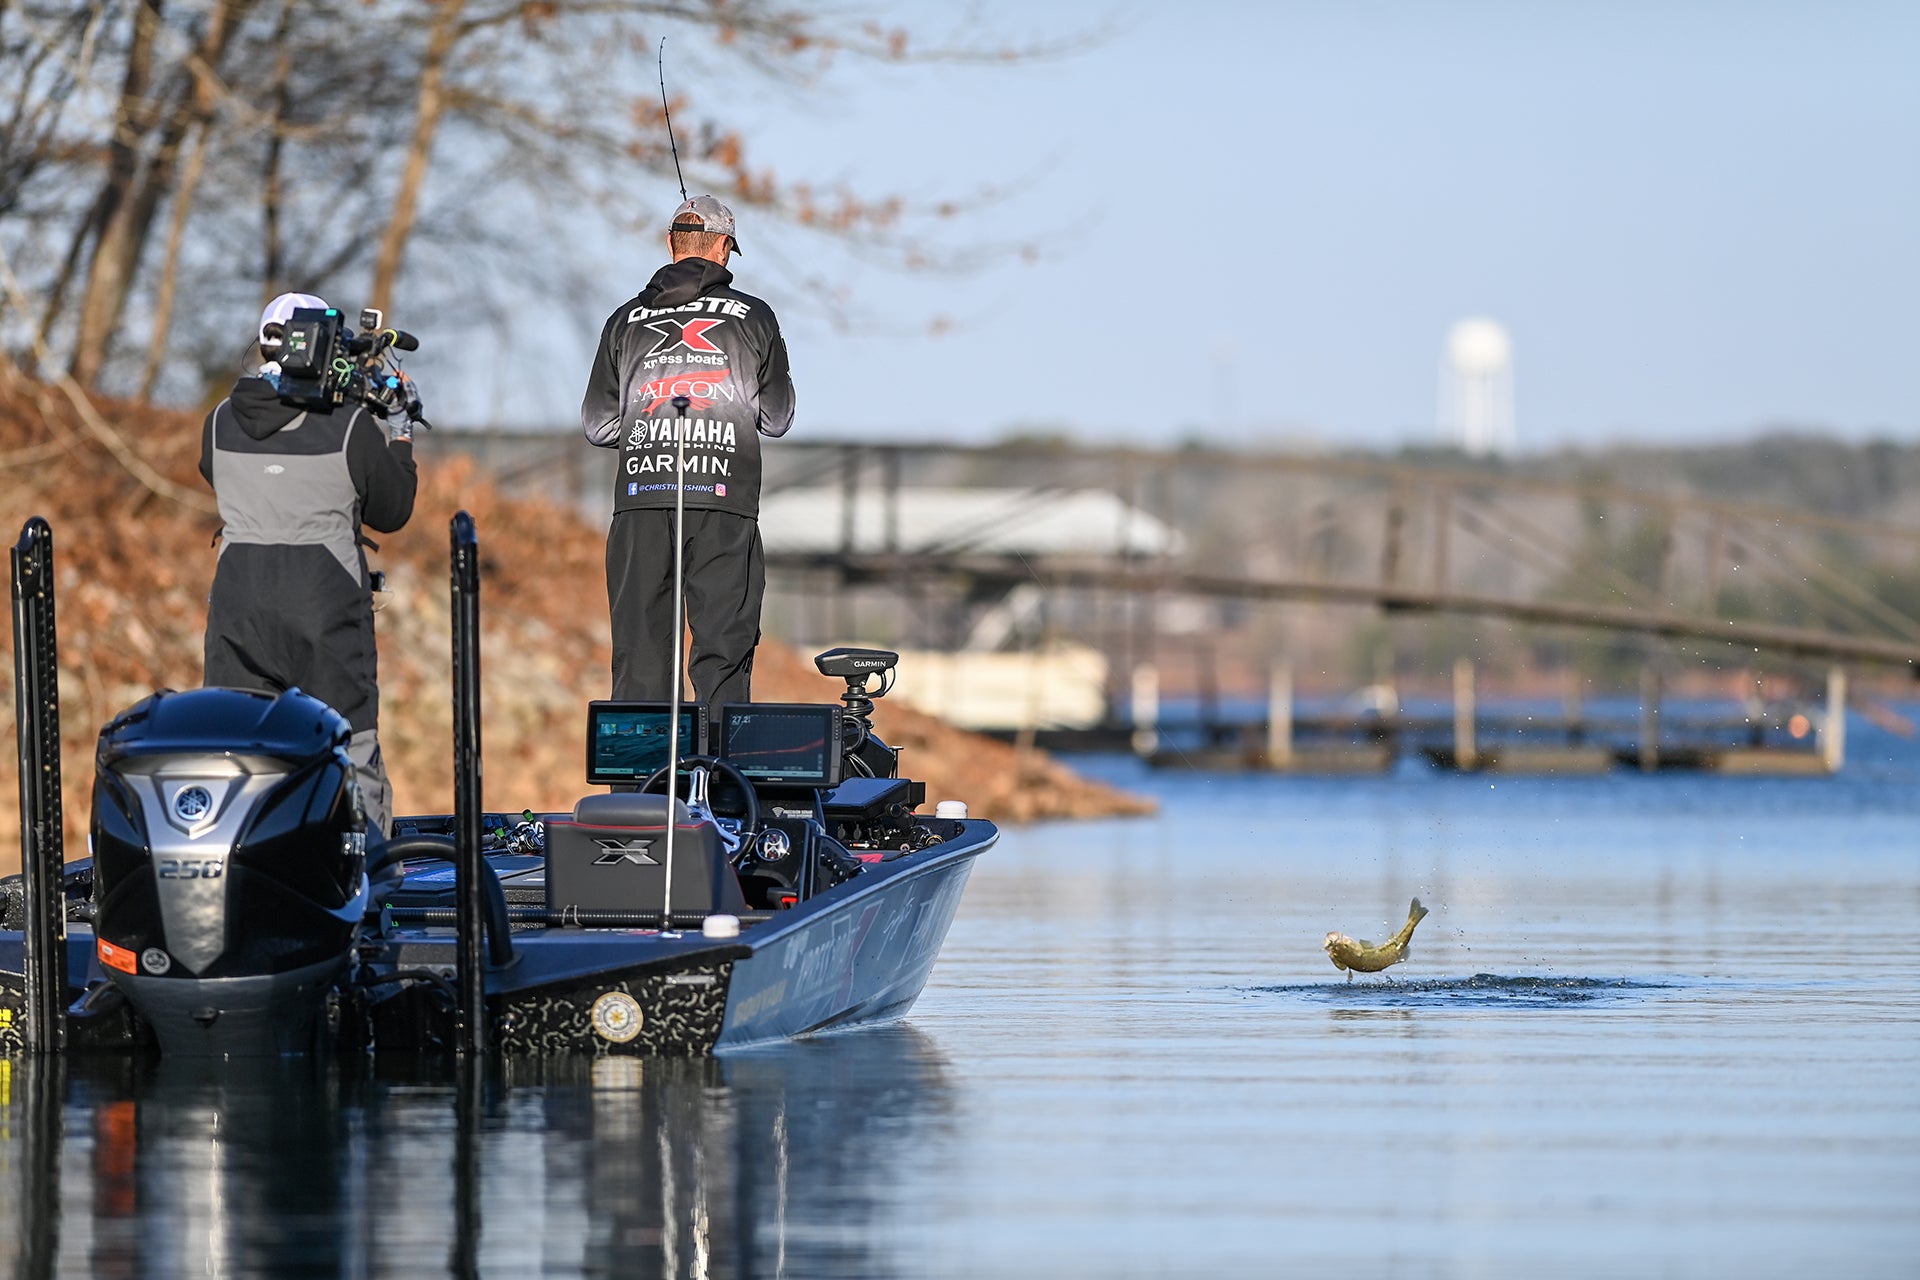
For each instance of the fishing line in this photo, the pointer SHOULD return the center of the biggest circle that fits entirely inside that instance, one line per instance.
(661, 61)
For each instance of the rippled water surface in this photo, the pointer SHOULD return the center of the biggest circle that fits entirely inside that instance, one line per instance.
(1653, 1026)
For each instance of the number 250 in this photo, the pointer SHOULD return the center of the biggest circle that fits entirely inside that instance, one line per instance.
(182, 869)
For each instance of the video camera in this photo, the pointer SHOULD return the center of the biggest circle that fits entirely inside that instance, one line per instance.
(324, 363)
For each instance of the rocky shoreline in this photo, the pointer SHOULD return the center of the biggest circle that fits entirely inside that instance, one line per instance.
(134, 566)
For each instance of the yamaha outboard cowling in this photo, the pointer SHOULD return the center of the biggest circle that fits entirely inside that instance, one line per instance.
(229, 850)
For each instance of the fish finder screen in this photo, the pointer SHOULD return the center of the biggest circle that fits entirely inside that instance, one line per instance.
(627, 741)
(783, 744)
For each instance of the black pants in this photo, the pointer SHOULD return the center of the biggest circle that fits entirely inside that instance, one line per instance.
(726, 578)
(281, 616)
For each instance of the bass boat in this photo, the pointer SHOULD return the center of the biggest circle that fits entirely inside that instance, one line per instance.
(726, 884)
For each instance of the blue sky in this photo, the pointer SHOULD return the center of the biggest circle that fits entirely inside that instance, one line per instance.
(1697, 219)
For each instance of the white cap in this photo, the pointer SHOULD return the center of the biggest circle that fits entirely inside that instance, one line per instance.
(281, 310)
(720, 925)
(950, 809)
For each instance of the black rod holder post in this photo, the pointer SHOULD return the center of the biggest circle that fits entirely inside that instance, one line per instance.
(469, 866)
(36, 701)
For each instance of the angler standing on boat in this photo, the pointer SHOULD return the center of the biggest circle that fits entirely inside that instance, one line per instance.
(291, 603)
(688, 336)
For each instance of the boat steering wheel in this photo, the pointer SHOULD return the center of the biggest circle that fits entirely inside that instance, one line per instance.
(736, 833)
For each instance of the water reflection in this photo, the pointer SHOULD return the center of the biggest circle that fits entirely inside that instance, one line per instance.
(1368, 1015)
(30, 1144)
(783, 1162)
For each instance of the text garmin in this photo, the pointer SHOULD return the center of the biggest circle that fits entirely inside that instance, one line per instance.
(699, 464)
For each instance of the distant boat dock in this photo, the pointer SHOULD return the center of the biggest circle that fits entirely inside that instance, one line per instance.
(1791, 740)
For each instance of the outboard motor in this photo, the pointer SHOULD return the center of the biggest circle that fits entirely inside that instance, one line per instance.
(229, 848)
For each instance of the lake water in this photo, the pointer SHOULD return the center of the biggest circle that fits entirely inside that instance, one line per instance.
(1654, 1026)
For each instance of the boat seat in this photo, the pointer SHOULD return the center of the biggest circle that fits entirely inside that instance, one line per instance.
(612, 858)
(629, 809)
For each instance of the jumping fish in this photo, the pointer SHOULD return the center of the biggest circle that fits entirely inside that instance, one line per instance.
(1353, 955)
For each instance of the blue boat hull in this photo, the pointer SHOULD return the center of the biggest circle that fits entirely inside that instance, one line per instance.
(854, 955)
(864, 959)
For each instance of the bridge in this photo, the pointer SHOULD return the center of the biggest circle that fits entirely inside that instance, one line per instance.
(1199, 558)
(1393, 541)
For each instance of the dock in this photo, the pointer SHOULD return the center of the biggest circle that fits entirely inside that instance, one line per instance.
(1765, 741)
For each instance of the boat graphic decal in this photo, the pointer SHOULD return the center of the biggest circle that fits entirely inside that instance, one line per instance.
(657, 1014)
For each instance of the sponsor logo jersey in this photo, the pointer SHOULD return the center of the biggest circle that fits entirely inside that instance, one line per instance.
(689, 336)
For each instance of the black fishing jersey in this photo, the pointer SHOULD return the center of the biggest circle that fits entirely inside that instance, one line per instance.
(689, 334)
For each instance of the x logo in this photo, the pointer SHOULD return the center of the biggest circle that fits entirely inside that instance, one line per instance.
(619, 851)
(690, 334)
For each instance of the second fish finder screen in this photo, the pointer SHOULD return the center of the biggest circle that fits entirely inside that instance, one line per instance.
(786, 745)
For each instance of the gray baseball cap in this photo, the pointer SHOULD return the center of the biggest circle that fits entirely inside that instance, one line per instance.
(712, 216)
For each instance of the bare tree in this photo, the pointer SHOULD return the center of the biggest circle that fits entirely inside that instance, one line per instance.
(445, 34)
(350, 124)
(155, 117)
(47, 52)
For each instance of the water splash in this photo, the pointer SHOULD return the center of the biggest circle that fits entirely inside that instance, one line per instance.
(1482, 990)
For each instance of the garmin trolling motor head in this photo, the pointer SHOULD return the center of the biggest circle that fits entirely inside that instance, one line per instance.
(319, 362)
(855, 666)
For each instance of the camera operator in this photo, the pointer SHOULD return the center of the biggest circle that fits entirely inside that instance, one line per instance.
(291, 603)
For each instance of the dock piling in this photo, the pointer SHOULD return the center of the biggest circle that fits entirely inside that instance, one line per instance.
(1466, 753)
(1573, 707)
(1649, 718)
(1280, 716)
(1146, 709)
(1833, 734)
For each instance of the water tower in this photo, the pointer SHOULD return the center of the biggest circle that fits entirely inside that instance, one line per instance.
(1476, 387)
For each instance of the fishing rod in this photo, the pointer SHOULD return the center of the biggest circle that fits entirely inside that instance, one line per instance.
(680, 405)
